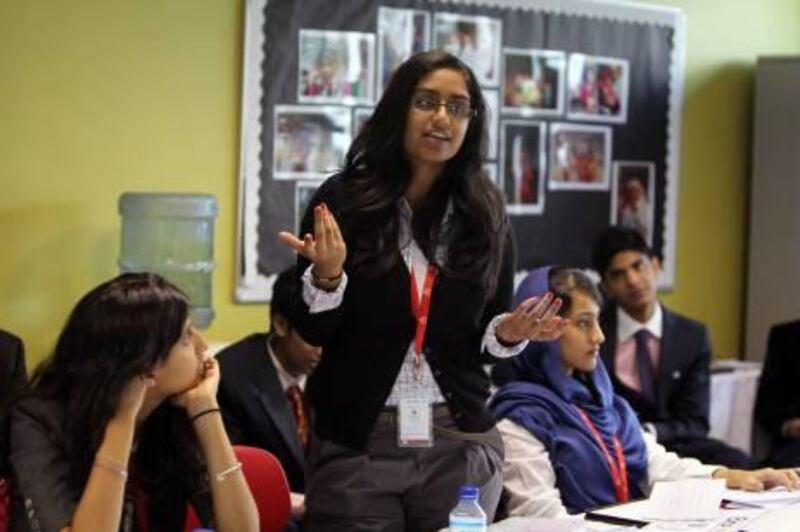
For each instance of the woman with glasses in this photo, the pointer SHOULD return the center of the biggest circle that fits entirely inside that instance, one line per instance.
(407, 262)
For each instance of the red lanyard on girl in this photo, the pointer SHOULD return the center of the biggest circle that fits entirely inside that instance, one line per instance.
(619, 470)
(421, 309)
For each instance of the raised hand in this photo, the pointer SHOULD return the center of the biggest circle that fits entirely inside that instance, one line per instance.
(326, 248)
(536, 319)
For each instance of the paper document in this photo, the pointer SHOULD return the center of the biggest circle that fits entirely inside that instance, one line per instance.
(687, 500)
(774, 498)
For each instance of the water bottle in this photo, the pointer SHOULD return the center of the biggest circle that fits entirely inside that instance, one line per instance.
(468, 516)
(172, 235)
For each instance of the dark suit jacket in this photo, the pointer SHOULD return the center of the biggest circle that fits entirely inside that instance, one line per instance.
(683, 382)
(778, 396)
(12, 363)
(254, 407)
(12, 375)
(365, 339)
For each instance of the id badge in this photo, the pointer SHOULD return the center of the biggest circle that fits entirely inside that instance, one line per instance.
(415, 423)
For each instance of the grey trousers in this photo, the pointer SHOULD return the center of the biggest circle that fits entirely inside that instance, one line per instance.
(387, 488)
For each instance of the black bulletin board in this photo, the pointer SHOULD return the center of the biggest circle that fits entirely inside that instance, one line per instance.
(586, 99)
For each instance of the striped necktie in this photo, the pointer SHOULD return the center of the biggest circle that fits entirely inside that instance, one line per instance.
(295, 397)
(644, 365)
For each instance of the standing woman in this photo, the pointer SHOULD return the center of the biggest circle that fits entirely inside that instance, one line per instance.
(408, 301)
(120, 428)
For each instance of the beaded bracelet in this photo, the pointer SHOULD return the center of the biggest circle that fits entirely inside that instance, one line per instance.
(203, 413)
(111, 465)
(222, 475)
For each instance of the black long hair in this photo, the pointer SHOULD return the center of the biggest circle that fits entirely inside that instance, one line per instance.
(377, 173)
(117, 332)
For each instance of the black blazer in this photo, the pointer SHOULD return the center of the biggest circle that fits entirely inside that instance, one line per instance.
(683, 382)
(254, 407)
(13, 375)
(12, 363)
(778, 396)
(365, 340)
(43, 496)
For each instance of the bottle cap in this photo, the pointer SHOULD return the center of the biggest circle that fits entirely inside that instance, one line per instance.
(469, 492)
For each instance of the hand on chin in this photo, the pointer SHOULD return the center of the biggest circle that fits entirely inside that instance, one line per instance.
(202, 393)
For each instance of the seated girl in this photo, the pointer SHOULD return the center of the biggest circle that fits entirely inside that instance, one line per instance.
(570, 443)
(128, 386)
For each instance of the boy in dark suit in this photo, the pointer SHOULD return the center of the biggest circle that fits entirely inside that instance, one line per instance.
(261, 389)
(778, 405)
(659, 360)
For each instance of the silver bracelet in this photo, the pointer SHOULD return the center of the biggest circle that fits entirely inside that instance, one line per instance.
(222, 475)
(111, 465)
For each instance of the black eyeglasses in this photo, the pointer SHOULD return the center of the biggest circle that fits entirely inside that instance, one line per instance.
(459, 109)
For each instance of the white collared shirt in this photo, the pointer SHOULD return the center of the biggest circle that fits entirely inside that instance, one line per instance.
(625, 367)
(627, 326)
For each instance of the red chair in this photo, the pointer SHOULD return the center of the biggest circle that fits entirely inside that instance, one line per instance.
(5, 504)
(264, 474)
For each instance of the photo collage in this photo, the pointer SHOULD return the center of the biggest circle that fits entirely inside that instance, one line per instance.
(551, 113)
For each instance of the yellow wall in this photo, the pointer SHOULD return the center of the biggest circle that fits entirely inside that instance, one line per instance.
(98, 97)
(724, 39)
(102, 96)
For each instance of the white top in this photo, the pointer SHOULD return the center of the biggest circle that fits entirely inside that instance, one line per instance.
(627, 326)
(530, 480)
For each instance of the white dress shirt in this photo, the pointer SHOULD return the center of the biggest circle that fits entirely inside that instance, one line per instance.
(627, 326)
(625, 366)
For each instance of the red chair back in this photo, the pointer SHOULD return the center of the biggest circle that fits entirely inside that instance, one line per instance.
(5, 504)
(267, 481)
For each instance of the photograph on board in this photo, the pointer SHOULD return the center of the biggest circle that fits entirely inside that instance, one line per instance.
(401, 34)
(580, 157)
(336, 67)
(633, 196)
(522, 165)
(476, 40)
(597, 88)
(533, 82)
(310, 141)
(492, 98)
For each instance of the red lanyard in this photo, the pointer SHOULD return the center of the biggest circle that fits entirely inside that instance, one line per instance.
(421, 309)
(619, 470)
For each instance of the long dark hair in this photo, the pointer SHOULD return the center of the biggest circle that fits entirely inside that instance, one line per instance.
(116, 332)
(377, 173)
